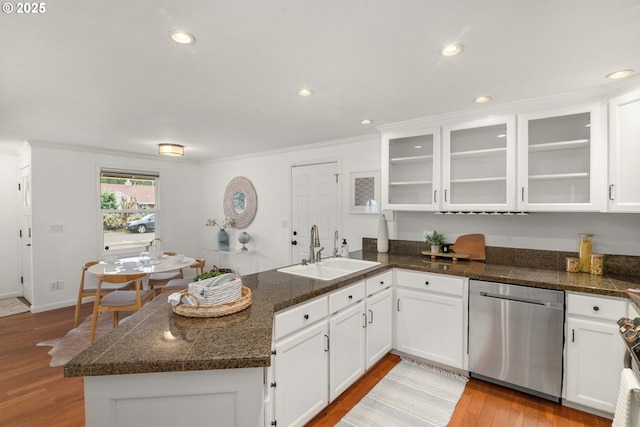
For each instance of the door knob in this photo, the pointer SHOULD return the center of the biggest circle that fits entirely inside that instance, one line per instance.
(294, 242)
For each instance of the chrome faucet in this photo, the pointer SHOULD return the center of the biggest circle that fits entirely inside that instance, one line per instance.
(314, 242)
(335, 244)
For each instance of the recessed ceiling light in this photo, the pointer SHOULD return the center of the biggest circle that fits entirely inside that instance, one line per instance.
(452, 49)
(482, 99)
(172, 150)
(366, 121)
(621, 74)
(502, 135)
(417, 146)
(305, 92)
(182, 37)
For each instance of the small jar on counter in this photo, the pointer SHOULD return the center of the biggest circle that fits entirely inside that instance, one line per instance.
(585, 246)
(573, 265)
(597, 264)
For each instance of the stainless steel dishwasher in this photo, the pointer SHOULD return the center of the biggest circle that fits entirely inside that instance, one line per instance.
(516, 337)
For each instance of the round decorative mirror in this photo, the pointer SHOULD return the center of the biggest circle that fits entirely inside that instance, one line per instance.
(240, 202)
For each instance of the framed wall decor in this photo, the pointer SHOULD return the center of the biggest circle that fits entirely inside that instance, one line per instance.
(240, 202)
(365, 192)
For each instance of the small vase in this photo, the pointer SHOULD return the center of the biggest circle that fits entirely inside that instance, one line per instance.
(145, 256)
(435, 249)
(383, 235)
(223, 240)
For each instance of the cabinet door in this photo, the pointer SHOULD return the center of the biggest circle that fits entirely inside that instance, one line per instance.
(479, 166)
(379, 326)
(560, 160)
(595, 358)
(411, 170)
(346, 348)
(624, 152)
(300, 373)
(430, 326)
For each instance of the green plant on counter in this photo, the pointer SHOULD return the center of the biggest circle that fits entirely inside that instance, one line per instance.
(207, 275)
(434, 238)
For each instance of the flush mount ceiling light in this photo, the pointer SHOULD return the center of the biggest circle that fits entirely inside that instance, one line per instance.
(305, 92)
(482, 99)
(502, 135)
(621, 74)
(366, 121)
(172, 150)
(417, 147)
(182, 37)
(452, 49)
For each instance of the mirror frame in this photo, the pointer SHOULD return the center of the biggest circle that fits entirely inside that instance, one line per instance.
(240, 184)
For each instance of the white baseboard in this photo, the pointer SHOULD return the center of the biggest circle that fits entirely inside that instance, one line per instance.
(53, 306)
(10, 295)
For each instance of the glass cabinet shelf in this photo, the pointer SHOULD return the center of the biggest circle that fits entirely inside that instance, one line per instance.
(487, 179)
(478, 153)
(410, 159)
(561, 145)
(550, 177)
(398, 183)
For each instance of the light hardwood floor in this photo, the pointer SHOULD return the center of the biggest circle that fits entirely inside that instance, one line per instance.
(32, 394)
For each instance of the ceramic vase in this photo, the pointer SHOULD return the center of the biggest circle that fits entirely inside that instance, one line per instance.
(223, 240)
(383, 235)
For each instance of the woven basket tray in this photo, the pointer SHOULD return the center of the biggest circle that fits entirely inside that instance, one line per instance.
(218, 310)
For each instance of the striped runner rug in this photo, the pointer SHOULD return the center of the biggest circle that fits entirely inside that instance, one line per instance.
(411, 394)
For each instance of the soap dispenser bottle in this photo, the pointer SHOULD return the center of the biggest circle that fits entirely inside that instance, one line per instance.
(344, 250)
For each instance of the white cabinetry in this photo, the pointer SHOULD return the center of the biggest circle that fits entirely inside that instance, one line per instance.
(347, 338)
(624, 152)
(595, 352)
(431, 317)
(479, 165)
(411, 170)
(560, 160)
(379, 313)
(300, 382)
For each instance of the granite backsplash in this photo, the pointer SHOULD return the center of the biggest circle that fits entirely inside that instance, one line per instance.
(623, 265)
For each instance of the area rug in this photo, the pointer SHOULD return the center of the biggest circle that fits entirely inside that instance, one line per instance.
(12, 306)
(78, 339)
(411, 394)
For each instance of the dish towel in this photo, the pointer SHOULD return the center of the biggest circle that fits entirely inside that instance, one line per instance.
(628, 405)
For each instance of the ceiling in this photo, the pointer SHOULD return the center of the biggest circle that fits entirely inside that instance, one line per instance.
(105, 74)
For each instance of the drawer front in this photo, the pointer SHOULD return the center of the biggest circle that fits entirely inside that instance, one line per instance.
(345, 297)
(596, 307)
(298, 317)
(449, 285)
(379, 282)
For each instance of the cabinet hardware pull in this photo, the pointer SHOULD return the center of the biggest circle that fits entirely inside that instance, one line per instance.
(398, 305)
(273, 385)
(522, 194)
(573, 335)
(596, 308)
(294, 242)
(274, 352)
(350, 296)
(445, 195)
(327, 347)
(611, 192)
(435, 199)
(365, 320)
(382, 282)
(426, 282)
(371, 312)
(306, 317)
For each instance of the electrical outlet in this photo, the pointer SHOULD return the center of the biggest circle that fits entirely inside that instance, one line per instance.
(60, 284)
(53, 286)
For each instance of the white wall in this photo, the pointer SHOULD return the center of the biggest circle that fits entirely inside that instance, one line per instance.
(270, 175)
(9, 226)
(66, 191)
(613, 233)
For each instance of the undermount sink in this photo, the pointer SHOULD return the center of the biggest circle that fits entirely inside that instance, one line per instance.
(329, 268)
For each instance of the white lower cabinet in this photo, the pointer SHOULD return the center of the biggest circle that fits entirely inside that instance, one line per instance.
(430, 317)
(346, 348)
(300, 382)
(379, 330)
(595, 351)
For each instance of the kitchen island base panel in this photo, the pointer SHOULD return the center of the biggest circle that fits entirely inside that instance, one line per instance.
(226, 397)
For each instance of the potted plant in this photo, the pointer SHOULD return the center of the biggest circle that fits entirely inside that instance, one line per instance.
(436, 240)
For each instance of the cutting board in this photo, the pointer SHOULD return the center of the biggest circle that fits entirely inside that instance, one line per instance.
(471, 244)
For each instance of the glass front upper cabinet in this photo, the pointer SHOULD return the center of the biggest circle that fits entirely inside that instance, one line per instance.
(479, 166)
(561, 166)
(410, 180)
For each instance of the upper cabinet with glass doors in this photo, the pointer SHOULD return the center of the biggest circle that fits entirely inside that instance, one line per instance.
(411, 170)
(479, 166)
(561, 160)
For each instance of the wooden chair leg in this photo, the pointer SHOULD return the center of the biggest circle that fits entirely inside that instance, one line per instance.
(94, 322)
(77, 316)
(116, 318)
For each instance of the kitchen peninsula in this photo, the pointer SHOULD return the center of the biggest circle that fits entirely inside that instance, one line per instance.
(161, 366)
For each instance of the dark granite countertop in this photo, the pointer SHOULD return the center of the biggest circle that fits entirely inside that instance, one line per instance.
(155, 339)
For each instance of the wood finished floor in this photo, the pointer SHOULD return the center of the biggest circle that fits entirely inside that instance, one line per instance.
(32, 394)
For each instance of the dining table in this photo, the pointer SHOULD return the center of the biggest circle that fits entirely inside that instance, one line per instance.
(129, 265)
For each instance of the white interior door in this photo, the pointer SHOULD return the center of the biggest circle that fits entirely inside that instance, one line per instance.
(25, 234)
(314, 201)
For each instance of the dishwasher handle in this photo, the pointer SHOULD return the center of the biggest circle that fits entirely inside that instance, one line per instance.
(518, 299)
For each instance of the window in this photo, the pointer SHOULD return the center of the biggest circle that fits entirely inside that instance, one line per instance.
(128, 206)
